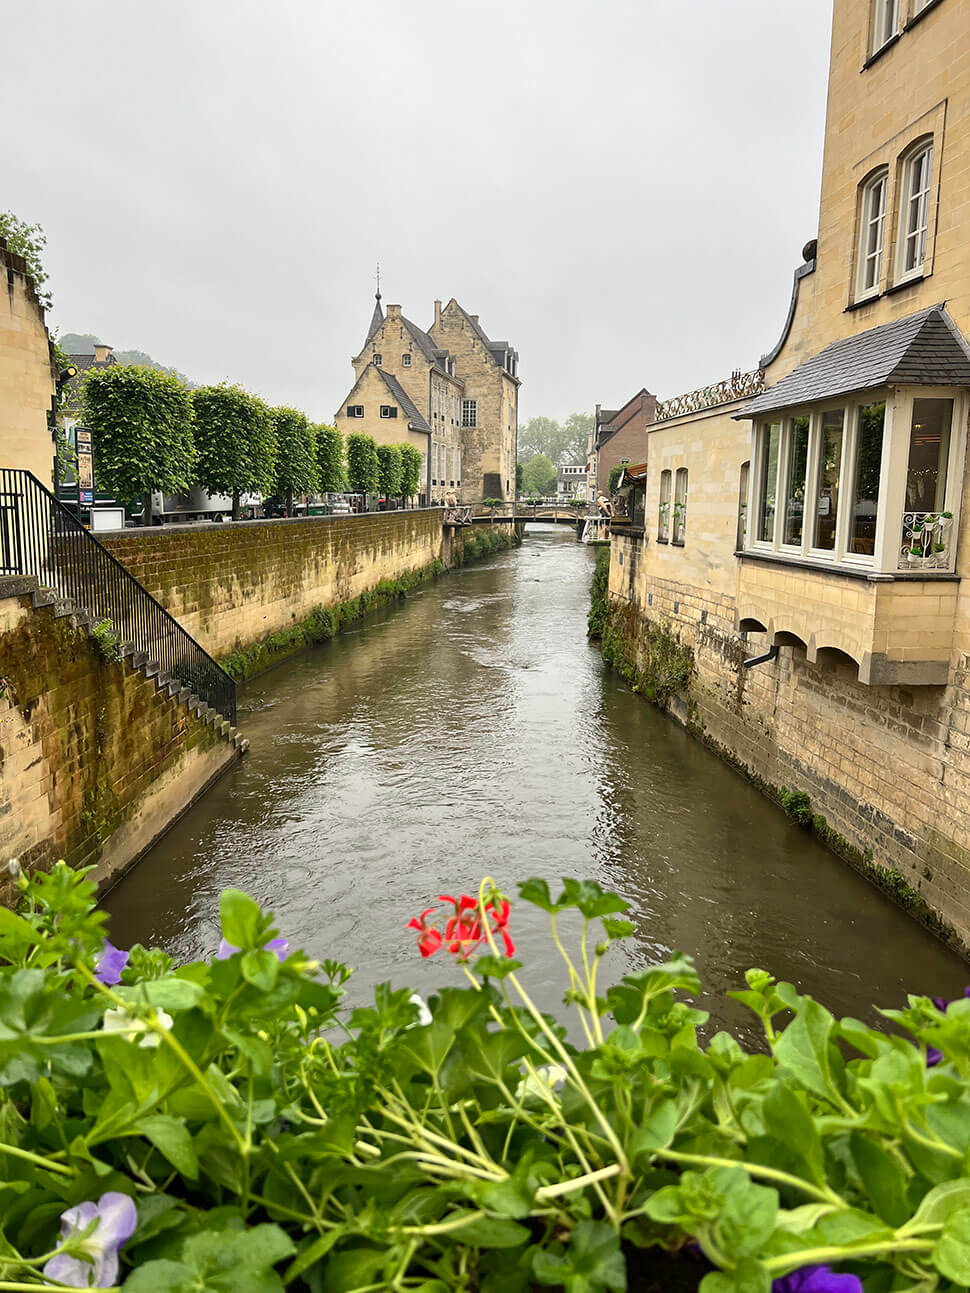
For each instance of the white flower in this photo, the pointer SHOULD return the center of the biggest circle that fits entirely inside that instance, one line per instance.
(120, 1021)
(543, 1084)
(13, 866)
(424, 1014)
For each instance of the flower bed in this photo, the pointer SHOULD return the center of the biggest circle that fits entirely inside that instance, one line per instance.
(227, 1126)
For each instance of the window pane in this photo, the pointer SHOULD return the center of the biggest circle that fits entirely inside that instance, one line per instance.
(743, 505)
(797, 467)
(663, 518)
(829, 473)
(865, 479)
(916, 211)
(770, 440)
(873, 233)
(929, 448)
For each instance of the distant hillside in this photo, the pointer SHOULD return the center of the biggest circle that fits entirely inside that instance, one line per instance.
(83, 343)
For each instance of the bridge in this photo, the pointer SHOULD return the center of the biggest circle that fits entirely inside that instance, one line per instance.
(542, 510)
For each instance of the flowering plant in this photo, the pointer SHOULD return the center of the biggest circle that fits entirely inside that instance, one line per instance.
(226, 1125)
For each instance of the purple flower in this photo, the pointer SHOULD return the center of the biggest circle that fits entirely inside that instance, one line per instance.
(817, 1279)
(278, 945)
(933, 1056)
(93, 1260)
(110, 964)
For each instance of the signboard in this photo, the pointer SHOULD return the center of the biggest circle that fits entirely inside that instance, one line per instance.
(85, 467)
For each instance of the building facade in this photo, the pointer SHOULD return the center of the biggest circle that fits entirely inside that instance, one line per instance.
(27, 375)
(619, 436)
(807, 519)
(572, 481)
(450, 391)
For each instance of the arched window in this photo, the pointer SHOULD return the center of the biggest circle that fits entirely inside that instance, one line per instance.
(872, 233)
(680, 505)
(916, 174)
(663, 516)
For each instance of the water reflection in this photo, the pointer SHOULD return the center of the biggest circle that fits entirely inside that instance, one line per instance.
(472, 730)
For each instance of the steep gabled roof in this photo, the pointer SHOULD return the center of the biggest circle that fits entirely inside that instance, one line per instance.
(404, 399)
(496, 349)
(923, 349)
(423, 342)
(377, 319)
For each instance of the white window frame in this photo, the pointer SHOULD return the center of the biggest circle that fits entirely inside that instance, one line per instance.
(872, 234)
(892, 478)
(406, 360)
(388, 411)
(378, 361)
(469, 413)
(664, 506)
(919, 6)
(885, 23)
(679, 522)
(355, 410)
(914, 209)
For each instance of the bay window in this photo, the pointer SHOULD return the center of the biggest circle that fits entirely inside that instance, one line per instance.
(872, 484)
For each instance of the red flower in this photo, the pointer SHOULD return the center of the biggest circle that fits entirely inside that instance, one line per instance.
(464, 931)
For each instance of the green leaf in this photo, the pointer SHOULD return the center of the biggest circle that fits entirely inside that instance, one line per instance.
(492, 1232)
(943, 1199)
(18, 931)
(747, 1219)
(591, 899)
(617, 928)
(496, 967)
(537, 892)
(170, 1137)
(951, 1256)
(787, 1119)
(658, 1130)
(261, 969)
(162, 1277)
(592, 1262)
(165, 994)
(882, 1178)
(749, 1276)
(354, 1268)
(806, 1050)
(242, 920)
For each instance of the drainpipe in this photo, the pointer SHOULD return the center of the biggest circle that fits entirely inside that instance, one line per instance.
(770, 654)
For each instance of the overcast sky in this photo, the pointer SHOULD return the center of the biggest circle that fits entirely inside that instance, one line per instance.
(621, 188)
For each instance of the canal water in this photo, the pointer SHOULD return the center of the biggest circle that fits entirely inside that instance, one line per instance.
(472, 730)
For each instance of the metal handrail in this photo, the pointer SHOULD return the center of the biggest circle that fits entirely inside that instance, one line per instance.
(39, 536)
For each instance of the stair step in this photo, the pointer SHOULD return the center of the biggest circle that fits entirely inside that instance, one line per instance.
(183, 694)
(152, 669)
(17, 585)
(127, 649)
(63, 606)
(43, 597)
(140, 659)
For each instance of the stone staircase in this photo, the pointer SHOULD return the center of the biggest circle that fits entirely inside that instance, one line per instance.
(44, 599)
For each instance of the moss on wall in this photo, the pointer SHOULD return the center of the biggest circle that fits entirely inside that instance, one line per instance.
(482, 540)
(647, 655)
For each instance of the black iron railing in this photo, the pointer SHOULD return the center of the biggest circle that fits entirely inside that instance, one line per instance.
(40, 537)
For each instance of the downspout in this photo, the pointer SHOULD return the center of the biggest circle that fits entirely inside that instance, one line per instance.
(770, 654)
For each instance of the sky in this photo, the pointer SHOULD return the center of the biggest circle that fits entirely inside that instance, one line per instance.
(621, 189)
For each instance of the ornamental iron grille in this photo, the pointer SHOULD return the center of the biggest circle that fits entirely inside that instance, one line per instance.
(926, 541)
(739, 386)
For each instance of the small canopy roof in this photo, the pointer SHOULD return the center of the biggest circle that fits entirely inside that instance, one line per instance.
(924, 349)
(633, 472)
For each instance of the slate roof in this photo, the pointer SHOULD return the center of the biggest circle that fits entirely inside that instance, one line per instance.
(423, 342)
(404, 399)
(924, 349)
(72, 389)
(377, 318)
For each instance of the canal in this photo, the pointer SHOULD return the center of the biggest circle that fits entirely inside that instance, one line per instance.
(472, 730)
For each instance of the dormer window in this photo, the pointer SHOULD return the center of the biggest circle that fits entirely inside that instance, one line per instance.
(406, 361)
(378, 360)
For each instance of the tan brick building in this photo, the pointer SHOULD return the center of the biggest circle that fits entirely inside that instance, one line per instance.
(27, 374)
(821, 524)
(452, 389)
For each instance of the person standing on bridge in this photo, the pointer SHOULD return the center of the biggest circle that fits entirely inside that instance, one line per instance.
(605, 506)
(451, 506)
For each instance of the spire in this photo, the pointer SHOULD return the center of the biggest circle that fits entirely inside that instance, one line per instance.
(377, 318)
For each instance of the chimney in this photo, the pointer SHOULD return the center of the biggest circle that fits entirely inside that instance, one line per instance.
(393, 312)
(437, 312)
(102, 353)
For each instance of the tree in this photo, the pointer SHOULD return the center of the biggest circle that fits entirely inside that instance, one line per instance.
(576, 432)
(361, 463)
(29, 241)
(412, 462)
(331, 474)
(141, 425)
(540, 435)
(389, 470)
(236, 442)
(518, 478)
(296, 468)
(539, 475)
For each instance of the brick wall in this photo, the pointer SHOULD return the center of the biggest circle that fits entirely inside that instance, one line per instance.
(231, 585)
(95, 762)
(26, 374)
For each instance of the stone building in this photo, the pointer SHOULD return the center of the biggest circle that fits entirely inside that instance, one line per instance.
(27, 374)
(808, 518)
(450, 391)
(619, 436)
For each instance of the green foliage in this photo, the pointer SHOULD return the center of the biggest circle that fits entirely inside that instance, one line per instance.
(331, 473)
(141, 424)
(482, 541)
(646, 654)
(412, 463)
(362, 464)
(83, 343)
(599, 594)
(560, 442)
(614, 479)
(269, 1137)
(389, 470)
(797, 805)
(29, 241)
(296, 467)
(539, 475)
(235, 438)
(107, 640)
